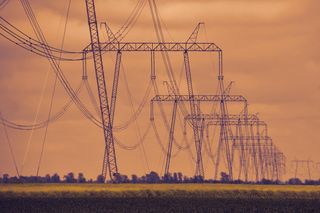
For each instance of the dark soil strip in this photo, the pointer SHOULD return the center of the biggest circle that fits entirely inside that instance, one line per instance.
(157, 205)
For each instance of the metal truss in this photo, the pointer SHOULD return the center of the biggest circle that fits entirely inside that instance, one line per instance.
(202, 98)
(156, 47)
(110, 160)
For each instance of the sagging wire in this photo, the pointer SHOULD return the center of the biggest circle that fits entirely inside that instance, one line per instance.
(10, 147)
(54, 89)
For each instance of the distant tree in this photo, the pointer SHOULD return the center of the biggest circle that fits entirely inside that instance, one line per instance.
(118, 178)
(295, 181)
(153, 177)
(180, 177)
(34, 179)
(186, 179)
(198, 179)
(310, 182)
(266, 181)
(100, 179)
(175, 177)
(125, 179)
(30, 179)
(55, 178)
(143, 179)
(134, 179)
(238, 181)
(69, 178)
(14, 180)
(47, 178)
(81, 178)
(167, 178)
(5, 178)
(225, 178)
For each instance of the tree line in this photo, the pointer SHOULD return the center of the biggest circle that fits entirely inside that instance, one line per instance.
(150, 178)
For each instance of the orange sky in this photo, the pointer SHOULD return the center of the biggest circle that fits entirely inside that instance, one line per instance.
(271, 51)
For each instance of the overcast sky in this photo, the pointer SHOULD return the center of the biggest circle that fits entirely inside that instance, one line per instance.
(271, 51)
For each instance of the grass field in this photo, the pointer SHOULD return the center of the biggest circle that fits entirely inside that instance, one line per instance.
(158, 198)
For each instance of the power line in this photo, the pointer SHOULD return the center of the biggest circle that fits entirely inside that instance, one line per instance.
(54, 90)
(3, 4)
(10, 147)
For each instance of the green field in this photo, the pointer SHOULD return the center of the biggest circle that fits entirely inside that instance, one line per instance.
(158, 198)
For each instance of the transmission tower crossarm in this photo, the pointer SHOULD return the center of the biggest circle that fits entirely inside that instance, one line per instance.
(110, 161)
(232, 119)
(201, 98)
(157, 47)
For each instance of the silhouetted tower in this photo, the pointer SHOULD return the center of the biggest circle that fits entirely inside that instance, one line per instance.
(300, 164)
(110, 160)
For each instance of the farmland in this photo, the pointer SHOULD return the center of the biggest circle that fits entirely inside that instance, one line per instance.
(158, 197)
